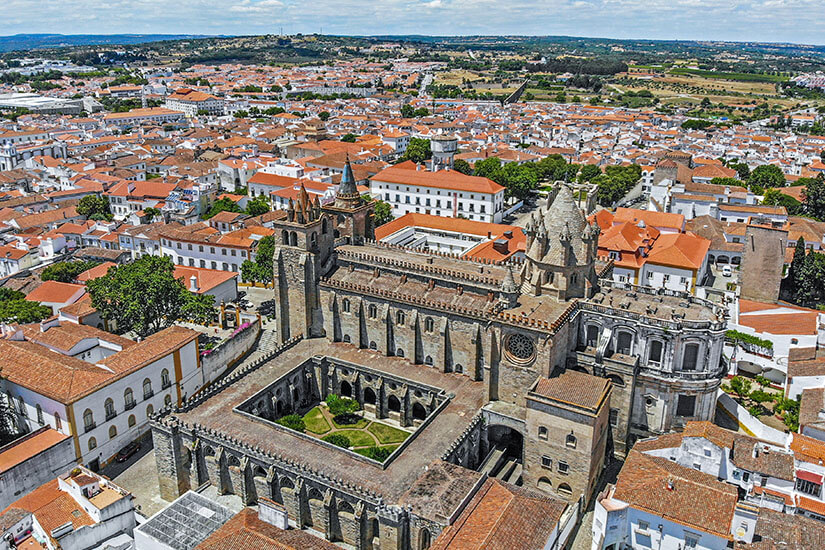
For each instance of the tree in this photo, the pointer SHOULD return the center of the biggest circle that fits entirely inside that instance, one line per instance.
(324, 115)
(814, 203)
(222, 205)
(728, 182)
(488, 168)
(588, 172)
(742, 170)
(775, 197)
(151, 213)
(518, 179)
(23, 311)
(764, 177)
(795, 272)
(144, 296)
(66, 272)
(741, 386)
(418, 150)
(293, 422)
(93, 207)
(260, 270)
(257, 206)
(407, 111)
(348, 138)
(382, 213)
(461, 165)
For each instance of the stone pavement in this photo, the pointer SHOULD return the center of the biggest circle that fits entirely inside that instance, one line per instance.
(141, 479)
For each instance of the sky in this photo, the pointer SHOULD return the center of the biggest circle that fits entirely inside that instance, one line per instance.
(796, 21)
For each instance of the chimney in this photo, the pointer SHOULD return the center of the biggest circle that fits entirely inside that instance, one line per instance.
(272, 513)
(193, 283)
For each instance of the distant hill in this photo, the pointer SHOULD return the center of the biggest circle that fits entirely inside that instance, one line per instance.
(35, 41)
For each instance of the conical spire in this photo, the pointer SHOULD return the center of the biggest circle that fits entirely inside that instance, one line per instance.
(347, 196)
(347, 187)
(508, 285)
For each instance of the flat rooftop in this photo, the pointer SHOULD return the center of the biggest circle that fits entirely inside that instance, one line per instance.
(186, 522)
(216, 413)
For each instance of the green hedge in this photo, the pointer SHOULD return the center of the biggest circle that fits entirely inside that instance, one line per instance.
(337, 440)
(735, 336)
(293, 422)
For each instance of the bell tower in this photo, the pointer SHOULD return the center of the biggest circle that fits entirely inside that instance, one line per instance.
(351, 214)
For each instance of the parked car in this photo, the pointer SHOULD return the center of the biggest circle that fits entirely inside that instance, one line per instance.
(126, 452)
(727, 271)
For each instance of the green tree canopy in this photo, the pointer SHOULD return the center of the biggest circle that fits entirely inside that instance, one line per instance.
(728, 182)
(324, 115)
(222, 205)
(23, 311)
(588, 172)
(260, 269)
(775, 197)
(66, 272)
(418, 150)
(257, 206)
(144, 296)
(616, 182)
(349, 138)
(382, 213)
(814, 203)
(93, 207)
(764, 177)
(461, 165)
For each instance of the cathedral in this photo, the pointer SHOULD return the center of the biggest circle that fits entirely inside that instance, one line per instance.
(534, 371)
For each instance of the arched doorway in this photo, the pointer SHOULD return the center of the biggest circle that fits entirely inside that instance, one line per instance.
(393, 404)
(504, 456)
(346, 389)
(369, 397)
(418, 411)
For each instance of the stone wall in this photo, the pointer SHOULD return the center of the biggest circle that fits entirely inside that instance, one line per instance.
(226, 354)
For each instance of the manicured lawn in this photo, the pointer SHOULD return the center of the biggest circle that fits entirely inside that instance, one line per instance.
(387, 434)
(358, 425)
(358, 438)
(315, 422)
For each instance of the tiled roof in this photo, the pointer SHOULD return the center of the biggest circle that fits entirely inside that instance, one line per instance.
(683, 495)
(245, 531)
(575, 388)
(503, 516)
(443, 179)
(31, 445)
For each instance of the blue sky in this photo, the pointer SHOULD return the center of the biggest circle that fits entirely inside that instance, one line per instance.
(742, 20)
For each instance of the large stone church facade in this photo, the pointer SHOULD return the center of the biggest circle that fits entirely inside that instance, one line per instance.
(486, 334)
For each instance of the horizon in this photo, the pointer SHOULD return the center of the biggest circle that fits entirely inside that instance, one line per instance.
(412, 37)
(763, 21)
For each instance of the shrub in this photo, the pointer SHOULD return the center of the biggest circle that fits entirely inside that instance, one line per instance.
(347, 418)
(379, 454)
(341, 406)
(293, 422)
(742, 386)
(762, 396)
(756, 410)
(735, 337)
(338, 440)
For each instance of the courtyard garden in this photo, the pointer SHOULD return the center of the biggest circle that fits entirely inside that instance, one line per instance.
(764, 402)
(340, 421)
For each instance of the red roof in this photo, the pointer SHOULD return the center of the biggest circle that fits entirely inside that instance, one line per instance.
(442, 179)
(28, 447)
(56, 292)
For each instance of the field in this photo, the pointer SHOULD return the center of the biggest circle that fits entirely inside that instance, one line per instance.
(738, 77)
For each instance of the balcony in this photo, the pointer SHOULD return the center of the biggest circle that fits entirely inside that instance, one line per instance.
(130, 405)
(110, 415)
(148, 395)
(89, 427)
